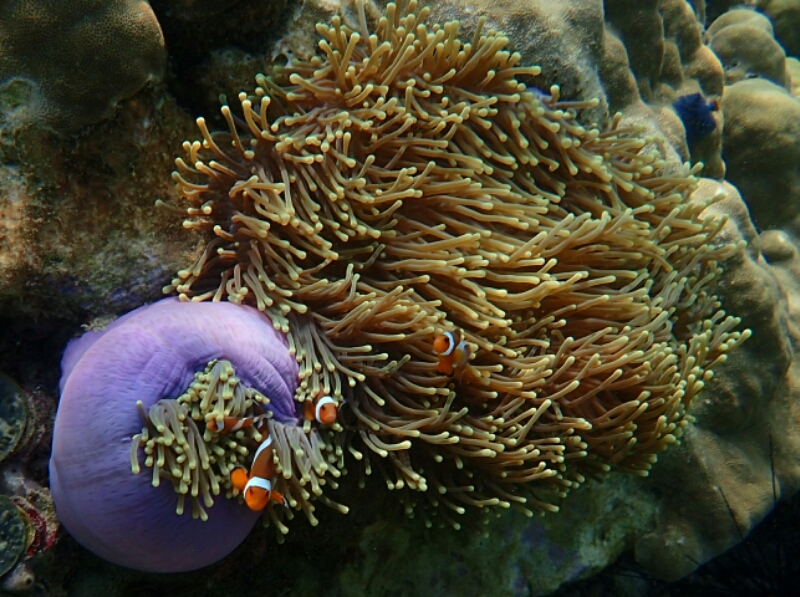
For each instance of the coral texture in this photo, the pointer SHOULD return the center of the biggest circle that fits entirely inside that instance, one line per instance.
(150, 354)
(785, 14)
(407, 183)
(764, 152)
(75, 231)
(662, 46)
(743, 41)
(741, 451)
(80, 57)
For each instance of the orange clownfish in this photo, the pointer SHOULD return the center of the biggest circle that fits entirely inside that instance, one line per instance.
(323, 410)
(257, 486)
(229, 424)
(453, 353)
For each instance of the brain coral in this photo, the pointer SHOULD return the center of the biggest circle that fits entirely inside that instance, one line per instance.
(152, 355)
(80, 57)
(405, 183)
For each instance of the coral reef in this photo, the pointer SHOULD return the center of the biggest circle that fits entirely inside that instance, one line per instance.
(724, 463)
(28, 525)
(79, 58)
(742, 449)
(146, 356)
(15, 533)
(79, 240)
(14, 416)
(763, 153)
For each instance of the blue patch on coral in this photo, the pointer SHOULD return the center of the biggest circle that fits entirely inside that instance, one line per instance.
(695, 112)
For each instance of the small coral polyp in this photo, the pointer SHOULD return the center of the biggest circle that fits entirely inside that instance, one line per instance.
(181, 444)
(405, 183)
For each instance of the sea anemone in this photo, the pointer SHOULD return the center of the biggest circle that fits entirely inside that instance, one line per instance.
(153, 356)
(405, 183)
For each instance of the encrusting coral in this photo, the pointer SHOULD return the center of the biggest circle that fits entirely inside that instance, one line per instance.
(405, 183)
(80, 58)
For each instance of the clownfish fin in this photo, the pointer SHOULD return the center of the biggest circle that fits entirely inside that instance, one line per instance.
(239, 478)
(277, 496)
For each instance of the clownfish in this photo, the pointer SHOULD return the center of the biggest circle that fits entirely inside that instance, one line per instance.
(257, 485)
(229, 424)
(453, 352)
(323, 410)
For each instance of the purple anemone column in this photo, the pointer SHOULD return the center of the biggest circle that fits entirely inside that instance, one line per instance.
(150, 354)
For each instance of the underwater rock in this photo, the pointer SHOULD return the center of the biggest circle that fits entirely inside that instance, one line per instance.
(150, 354)
(88, 239)
(77, 228)
(79, 58)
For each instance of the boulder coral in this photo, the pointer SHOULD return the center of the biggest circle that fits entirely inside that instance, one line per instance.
(743, 429)
(406, 184)
(80, 58)
(785, 14)
(743, 41)
(742, 449)
(661, 44)
(763, 153)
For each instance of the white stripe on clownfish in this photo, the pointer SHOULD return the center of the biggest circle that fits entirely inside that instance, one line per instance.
(267, 443)
(229, 424)
(323, 410)
(451, 344)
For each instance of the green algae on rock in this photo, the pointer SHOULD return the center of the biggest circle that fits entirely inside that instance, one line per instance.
(14, 414)
(16, 534)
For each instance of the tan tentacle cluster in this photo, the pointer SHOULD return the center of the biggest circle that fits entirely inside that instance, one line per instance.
(405, 182)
